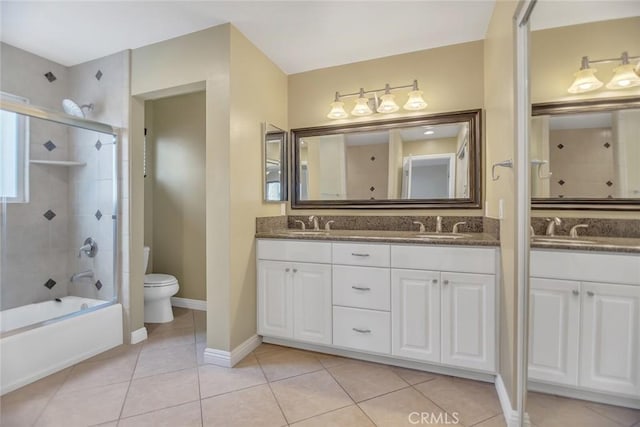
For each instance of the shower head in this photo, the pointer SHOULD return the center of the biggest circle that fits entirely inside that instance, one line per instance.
(73, 109)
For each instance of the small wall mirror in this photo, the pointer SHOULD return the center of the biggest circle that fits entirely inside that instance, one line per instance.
(430, 161)
(586, 153)
(275, 164)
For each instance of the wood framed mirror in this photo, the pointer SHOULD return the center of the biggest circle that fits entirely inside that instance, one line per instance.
(430, 161)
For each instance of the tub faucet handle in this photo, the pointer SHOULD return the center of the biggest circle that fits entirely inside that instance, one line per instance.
(90, 248)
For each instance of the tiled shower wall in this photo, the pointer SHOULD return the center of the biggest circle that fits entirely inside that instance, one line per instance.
(66, 204)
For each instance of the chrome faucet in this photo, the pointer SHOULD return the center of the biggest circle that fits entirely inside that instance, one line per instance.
(454, 230)
(574, 230)
(313, 220)
(551, 228)
(421, 224)
(76, 276)
(438, 224)
(303, 226)
(90, 248)
(532, 232)
(327, 225)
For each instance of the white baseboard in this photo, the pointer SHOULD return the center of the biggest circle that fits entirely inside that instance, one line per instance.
(229, 359)
(193, 304)
(138, 335)
(510, 415)
(576, 393)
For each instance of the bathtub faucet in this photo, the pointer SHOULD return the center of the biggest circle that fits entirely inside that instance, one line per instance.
(90, 248)
(76, 276)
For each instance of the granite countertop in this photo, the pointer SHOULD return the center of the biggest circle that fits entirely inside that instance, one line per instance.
(595, 244)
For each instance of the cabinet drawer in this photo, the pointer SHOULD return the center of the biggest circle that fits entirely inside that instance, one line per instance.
(359, 329)
(361, 287)
(443, 258)
(361, 254)
(294, 251)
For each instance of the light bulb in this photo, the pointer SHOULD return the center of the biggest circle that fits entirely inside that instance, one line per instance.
(415, 101)
(337, 110)
(585, 81)
(387, 105)
(429, 132)
(624, 76)
(362, 107)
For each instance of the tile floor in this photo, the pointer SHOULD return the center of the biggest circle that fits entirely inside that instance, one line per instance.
(164, 382)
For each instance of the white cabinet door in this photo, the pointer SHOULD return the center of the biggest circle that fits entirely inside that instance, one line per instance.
(275, 299)
(312, 303)
(415, 320)
(554, 330)
(468, 320)
(610, 358)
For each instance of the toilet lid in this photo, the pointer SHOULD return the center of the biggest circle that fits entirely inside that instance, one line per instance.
(156, 279)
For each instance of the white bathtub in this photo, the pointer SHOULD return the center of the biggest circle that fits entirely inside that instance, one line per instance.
(31, 353)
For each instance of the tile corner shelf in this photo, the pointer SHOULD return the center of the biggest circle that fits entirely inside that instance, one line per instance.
(57, 163)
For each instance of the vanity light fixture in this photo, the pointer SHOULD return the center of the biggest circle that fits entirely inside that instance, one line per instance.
(625, 75)
(385, 104)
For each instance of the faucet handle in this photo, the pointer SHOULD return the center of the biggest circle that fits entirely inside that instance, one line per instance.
(422, 227)
(454, 230)
(573, 233)
(327, 225)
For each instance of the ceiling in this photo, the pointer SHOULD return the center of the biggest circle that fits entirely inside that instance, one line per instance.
(297, 35)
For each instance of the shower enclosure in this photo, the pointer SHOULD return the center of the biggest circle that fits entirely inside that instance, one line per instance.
(58, 245)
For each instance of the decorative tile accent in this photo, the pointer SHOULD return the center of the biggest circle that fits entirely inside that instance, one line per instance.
(49, 214)
(373, 158)
(609, 183)
(98, 145)
(98, 284)
(560, 146)
(49, 145)
(561, 182)
(50, 76)
(50, 284)
(372, 188)
(607, 145)
(561, 196)
(98, 214)
(99, 75)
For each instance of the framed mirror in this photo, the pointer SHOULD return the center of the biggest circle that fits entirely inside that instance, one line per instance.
(585, 154)
(275, 163)
(429, 161)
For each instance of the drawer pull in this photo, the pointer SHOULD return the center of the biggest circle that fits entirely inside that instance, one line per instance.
(590, 293)
(446, 282)
(286, 270)
(576, 292)
(362, 331)
(359, 254)
(295, 270)
(434, 281)
(361, 288)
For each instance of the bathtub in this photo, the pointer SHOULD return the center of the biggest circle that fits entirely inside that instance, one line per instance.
(39, 339)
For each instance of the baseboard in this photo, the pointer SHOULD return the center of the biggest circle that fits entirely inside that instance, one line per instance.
(510, 415)
(193, 304)
(229, 359)
(138, 335)
(592, 396)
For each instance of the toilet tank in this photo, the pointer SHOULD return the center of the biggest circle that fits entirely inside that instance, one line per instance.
(146, 258)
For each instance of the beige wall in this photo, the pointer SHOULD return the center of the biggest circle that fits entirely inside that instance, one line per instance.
(177, 170)
(499, 85)
(429, 146)
(449, 86)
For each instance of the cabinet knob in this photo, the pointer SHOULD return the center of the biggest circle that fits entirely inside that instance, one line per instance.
(590, 293)
(434, 281)
(286, 270)
(295, 270)
(576, 292)
(446, 282)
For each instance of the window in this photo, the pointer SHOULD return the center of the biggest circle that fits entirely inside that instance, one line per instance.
(14, 154)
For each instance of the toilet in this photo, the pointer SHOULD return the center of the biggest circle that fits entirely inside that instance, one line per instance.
(158, 290)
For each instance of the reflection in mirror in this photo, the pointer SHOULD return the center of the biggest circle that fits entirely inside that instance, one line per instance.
(411, 161)
(275, 165)
(586, 153)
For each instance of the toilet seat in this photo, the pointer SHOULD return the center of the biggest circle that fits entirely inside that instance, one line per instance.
(156, 280)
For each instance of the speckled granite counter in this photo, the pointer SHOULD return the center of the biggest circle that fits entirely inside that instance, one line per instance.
(601, 244)
(378, 236)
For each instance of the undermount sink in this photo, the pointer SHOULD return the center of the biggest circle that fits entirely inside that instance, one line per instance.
(563, 240)
(308, 232)
(443, 236)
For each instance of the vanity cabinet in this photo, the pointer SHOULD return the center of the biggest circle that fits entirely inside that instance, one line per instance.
(585, 332)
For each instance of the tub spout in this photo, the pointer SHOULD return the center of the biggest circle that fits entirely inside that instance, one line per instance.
(76, 276)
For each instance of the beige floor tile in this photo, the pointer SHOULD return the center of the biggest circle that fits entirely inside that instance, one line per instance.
(265, 348)
(405, 408)
(308, 395)
(278, 365)
(121, 350)
(200, 321)
(167, 359)
(351, 416)
(413, 376)
(187, 415)
(216, 380)
(497, 421)
(474, 401)
(23, 406)
(113, 370)
(168, 338)
(84, 407)
(329, 360)
(254, 406)
(161, 391)
(554, 411)
(624, 416)
(200, 348)
(364, 380)
(182, 318)
(109, 424)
